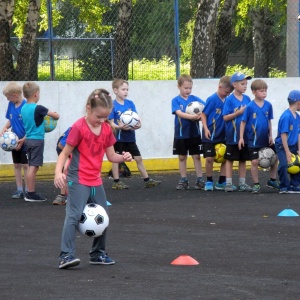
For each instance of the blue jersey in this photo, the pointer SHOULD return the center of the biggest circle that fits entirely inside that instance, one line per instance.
(214, 119)
(33, 119)
(118, 109)
(232, 127)
(185, 129)
(13, 114)
(257, 123)
(290, 125)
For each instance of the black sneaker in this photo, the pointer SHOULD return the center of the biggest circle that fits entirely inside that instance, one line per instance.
(102, 260)
(68, 262)
(34, 197)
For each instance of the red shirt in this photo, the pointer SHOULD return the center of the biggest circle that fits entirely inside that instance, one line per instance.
(87, 156)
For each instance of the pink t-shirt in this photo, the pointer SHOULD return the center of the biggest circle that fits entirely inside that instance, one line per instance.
(87, 156)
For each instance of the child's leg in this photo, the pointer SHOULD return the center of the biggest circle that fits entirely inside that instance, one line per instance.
(242, 169)
(31, 177)
(18, 176)
(228, 168)
(209, 164)
(197, 164)
(254, 170)
(273, 170)
(115, 170)
(140, 166)
(182, 165)
(25, 170)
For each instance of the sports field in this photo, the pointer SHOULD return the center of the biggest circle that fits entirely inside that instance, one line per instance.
(244, 249)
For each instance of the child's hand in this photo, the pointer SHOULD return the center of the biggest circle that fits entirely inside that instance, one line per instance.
(271, 141)
(242, 109)
(196, 117)
(289, 157)
(124, 126)
(127, 156)
(241, 143)
(207, 133)
(60, 180)
(138, 125)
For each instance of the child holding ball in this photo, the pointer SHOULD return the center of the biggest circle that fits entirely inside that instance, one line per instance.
(187, 136)
(125, 135)
(89, 139)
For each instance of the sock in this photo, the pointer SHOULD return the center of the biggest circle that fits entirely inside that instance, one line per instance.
(242, 181)
(116, 180)
(222, 179)
(20, 188)
(146, 179)
(229, 180)
(256, 183)
(199, 179)
(273, 179)
(209, 178)
(184, 179)
(64, 195)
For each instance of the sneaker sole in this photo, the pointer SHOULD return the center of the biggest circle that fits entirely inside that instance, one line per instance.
(152, 186)
(60, 203)
(123, 188)
(101, 263)
(272, 187)
(70, 264)
(33, 200)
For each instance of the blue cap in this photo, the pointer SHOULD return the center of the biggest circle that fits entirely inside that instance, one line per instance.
(294, 96)
(239, 76)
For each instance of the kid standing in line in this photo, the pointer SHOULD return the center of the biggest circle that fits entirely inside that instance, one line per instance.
(33, 119)
(187, 136)
(13, 92)
(213, 132)
(125, 135)
(287, 143)
(89, 139)
(234, 108)
(61, 198)
(256, 121)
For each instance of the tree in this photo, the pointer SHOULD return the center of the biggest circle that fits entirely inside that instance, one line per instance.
(203, 46)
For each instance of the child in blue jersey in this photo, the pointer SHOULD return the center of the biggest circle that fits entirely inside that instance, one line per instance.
(256, 122)
(13, 92)
(33, 119)
(234, 108)
(213, 132)
(187, 136)
(125, 135)
(287, 143)
(61, 198)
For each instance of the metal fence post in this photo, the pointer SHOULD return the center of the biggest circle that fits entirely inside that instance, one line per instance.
(176, 35)
(50, 31)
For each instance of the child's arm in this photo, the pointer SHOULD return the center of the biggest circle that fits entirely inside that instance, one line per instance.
(235, 114)
(53, 114)
(187, 116)
(6, 127)
(112, 156)
(286, 147)
(59, 179)
(271, 141)
(120, 126)
(204, 124)
(242, 130)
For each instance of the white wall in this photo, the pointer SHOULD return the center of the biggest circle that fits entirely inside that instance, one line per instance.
(153, 103)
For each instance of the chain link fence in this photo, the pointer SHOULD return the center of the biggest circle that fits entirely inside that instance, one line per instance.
(265, 43)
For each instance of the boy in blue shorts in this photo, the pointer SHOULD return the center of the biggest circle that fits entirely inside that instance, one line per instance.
(234, 108)
(187, 136)
(287, 143)
(61, 198)
(33, 119)
(256, 122)
(13, 92)
(213, 132)
(125, 136)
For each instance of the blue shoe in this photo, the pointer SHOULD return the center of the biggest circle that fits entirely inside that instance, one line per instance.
(68, 262)
(294, 190)
(283, 191)
(102, 260)
(273, 184)
(209, 186)
(18, 195)
(221, 186)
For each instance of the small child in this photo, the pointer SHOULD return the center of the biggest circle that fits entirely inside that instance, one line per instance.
(33, 119)
(234, 108)
(61, 198)
(187, 136)
(287, 143)
(125, 135)
(213, 132)
(256, 121)
(13, 92)
(89, 139)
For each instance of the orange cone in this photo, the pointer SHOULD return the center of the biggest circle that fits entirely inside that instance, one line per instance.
(184, 260)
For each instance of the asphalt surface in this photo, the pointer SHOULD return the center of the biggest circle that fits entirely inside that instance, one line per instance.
(244, 249)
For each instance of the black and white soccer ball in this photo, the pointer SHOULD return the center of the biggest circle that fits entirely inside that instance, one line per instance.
(266, 157)
(194, 108)
(9, 141)
(130, 118)
(94, 220)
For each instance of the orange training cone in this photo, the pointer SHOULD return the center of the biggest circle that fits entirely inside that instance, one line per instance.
(184, 260)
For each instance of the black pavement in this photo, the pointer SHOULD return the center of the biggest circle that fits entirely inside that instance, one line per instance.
(244, 249)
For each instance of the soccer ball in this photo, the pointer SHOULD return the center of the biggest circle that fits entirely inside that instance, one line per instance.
(9, 141)
(130, 118)
(266, 157)
(49, 123)
(220, 153)
(294, 166)
(93, 221)
(194, 108)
